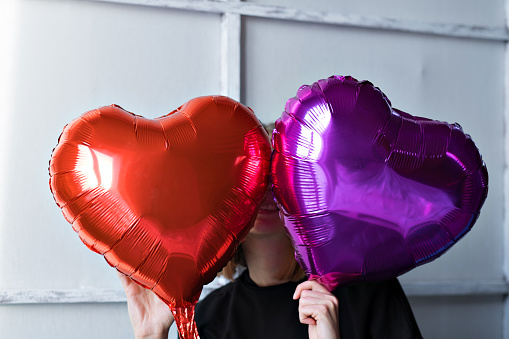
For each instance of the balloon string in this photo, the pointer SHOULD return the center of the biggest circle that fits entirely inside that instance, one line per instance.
(184, 318)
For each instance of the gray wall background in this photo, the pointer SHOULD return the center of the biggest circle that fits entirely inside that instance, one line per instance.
(60, 58)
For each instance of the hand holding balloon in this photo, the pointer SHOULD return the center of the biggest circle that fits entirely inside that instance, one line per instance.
(318, 308)
(150, 317)
(368, 192)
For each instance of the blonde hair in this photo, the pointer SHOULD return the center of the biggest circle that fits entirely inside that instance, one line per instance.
(292, 271)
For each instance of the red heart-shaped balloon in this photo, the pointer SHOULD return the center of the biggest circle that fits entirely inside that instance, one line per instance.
(166, 201)
(369, 192)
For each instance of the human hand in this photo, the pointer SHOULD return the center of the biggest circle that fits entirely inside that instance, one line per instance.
(150, 316)
(318, 308)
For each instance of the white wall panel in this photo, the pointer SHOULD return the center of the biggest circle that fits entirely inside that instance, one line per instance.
(473, 12)
(76, 321)
(459, 317)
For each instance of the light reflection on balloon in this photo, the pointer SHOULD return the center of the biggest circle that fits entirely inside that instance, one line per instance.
(94, 167)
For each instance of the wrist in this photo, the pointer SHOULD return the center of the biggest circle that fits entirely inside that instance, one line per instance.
(153, 336)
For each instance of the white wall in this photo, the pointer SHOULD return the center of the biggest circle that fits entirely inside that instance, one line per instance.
(60, 58)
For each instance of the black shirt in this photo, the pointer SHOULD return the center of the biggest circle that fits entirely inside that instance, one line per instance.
(243, 310)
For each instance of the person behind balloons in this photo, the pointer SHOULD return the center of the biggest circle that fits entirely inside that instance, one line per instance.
(271, 299)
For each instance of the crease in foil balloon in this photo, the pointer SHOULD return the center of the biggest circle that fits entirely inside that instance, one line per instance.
(165, 201)
(382, 195)
(386, 193)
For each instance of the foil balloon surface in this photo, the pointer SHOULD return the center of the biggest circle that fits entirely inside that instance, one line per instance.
(165, 201)
(366, 191)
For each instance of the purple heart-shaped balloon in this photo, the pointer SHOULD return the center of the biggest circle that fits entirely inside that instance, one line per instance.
(368, 192)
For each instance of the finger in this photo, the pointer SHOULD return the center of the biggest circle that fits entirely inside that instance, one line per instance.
(124, 280)
(305, 316)
(130, 287)
(315, 294)
(307, 321)
(326, 321)
(309, 285)
(315, 312)
(326, 299)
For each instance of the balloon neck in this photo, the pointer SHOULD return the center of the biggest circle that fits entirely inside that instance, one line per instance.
(332, 280)
(184, 318)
